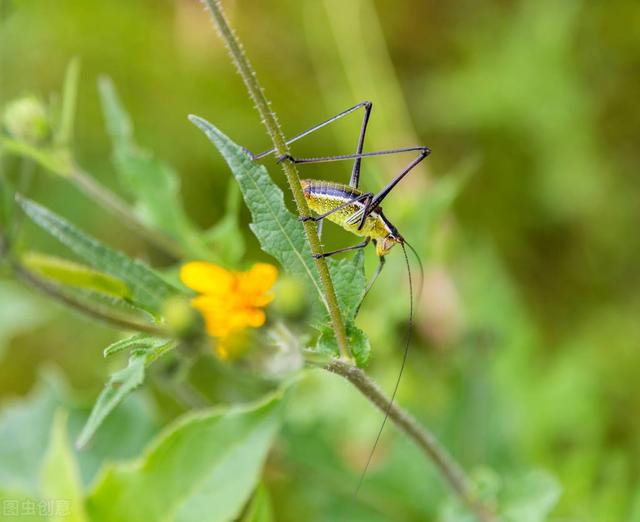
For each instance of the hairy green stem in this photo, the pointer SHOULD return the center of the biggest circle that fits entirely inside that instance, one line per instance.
(424, 439)
(279, 142)
(99, 313)
(122, 210)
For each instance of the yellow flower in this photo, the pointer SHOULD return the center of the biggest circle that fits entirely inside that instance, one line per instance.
(229, 301)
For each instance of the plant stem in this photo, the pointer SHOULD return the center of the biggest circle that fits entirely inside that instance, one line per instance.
(84, 307)
(279, 142)
(121, 209)
(425, 440)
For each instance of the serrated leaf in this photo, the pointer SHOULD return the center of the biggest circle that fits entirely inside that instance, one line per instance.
(153, 183)
(121, 384)
(279, 232)
(103, 305)
(349, 281)
(59, 474)
(358, 343)
(140, 340)
(148, 289)
(74, 274)
(203, 467)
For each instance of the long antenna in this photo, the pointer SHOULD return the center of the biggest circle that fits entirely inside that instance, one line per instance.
(402, 365)
(421, 270)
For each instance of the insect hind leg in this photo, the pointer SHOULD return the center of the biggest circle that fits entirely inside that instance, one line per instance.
(367, 197)
(356, 167)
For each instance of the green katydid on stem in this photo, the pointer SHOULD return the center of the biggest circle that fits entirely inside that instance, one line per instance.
(449, 469)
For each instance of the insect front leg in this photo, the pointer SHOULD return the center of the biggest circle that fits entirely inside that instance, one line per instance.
(346, 249)
(372, 280)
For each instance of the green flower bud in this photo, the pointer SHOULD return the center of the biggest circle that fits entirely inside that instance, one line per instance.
(26, 119)
(290, 298)
(180, 317)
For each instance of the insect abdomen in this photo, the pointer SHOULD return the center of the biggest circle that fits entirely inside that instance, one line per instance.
(323, 196)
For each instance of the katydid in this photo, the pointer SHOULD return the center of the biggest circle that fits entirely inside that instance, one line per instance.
(357, 212)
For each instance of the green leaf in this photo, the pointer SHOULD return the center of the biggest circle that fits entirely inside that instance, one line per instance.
(203, 467)
(123, 434)
(140, 340)
(118, 122)
(20, 311)
(358, 343)
(349, 281)
(24, 431)
(530, 498)
(280, 232)
(75, 274)
(122, 383)
(147, 288)
(110, 304)
(525, 497)
(64, 134)
(226, 235)
(260, 508)
(25, 427)
(59, 474)
(153, 183)
(6, 207)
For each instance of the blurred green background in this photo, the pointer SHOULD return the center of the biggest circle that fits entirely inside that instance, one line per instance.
(526, 353)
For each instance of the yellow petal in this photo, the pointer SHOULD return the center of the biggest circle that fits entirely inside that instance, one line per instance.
(206, 277)
(213, 303)
(216, 327)
(260, 278)
(254, 317)
(262, 299)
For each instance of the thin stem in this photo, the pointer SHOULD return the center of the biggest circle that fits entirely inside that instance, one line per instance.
(279, 142)
(424, 439)
(84, 307)
(121, 209)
